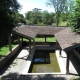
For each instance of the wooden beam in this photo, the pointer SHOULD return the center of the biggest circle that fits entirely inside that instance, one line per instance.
(67, 62)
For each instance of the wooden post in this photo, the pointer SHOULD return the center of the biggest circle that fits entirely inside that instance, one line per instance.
(45, 38)
(60, 50)
(10, 47)
(33, 42)
(18, 39)
(67, 62)
(56, 44)
(78, 49)
(22, 39)
(29, 46)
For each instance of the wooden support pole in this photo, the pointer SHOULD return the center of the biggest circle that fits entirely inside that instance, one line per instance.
(22, 39)
(30, 46)
(56, 44)
(18, 39)
(10, 46)
(60, 50)
(78, 49)
(45, 38)
(67, 62)
(33, 42)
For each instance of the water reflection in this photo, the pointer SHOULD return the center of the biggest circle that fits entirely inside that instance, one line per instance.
(41, 56)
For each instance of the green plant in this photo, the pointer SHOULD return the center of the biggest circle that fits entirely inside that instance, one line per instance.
(28, 22)
(53, 24)
(41, 24)
(74, 21)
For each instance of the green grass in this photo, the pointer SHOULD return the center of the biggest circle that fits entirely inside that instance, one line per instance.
(51, 39)
(63, 23)
(48, 39)
(5, 49)
(52, 65)
(60, 24)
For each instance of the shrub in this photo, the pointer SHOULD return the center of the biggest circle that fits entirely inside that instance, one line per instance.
(41, 24)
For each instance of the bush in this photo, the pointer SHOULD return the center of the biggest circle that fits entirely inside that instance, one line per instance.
(41, 24)
(28, 22)
(53, 24)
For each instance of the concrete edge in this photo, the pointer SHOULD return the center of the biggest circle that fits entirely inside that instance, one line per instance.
(9, 55)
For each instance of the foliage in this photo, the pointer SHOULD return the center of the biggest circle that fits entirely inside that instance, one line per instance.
(28, 22)
(36, 15)
(18, 18)
(40, 18)
(7, 9)
(41, 24)
(74, 21)
(59, 6)
(29, 17)
(5, 49)
(33, 16)
(46, 17)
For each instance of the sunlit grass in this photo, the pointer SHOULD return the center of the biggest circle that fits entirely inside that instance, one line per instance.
(60, 24)
(5, 49)
(63, 23)
(48, 39)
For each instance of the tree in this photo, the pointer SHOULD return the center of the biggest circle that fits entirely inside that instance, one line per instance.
(74, 22)
(29, 17)
(45, 17)
(7, 9)
(18, 18)
(36, 15)
(59, 6)
(33, 16)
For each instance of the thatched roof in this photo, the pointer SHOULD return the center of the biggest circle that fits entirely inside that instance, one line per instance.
(33, 31)
(67, 39)
(24, 32)
(45, 30)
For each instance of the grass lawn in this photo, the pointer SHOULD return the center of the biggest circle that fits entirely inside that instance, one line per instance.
(60, 24)
(48, 39)
(5, 49)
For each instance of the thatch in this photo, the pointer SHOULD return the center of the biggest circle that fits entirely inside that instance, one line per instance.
(45, 30)
(33, 31)
(24, 32)
(67, 39)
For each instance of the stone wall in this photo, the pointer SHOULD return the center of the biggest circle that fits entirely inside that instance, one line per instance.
(10, 54)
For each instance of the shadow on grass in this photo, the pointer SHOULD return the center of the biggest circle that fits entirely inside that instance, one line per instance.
(77, 79)
(15, 76)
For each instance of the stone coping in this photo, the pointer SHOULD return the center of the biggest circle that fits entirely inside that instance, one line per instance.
(9, 55)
